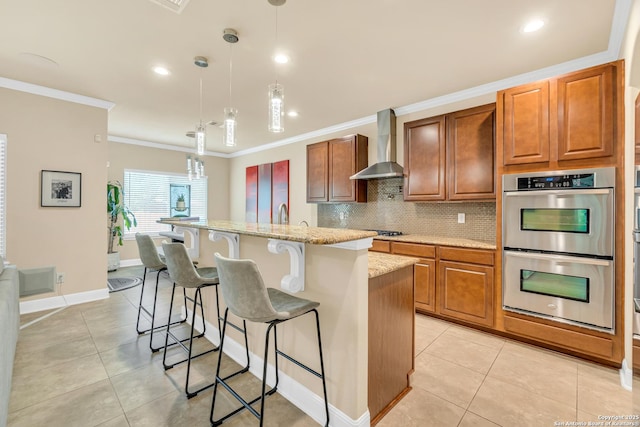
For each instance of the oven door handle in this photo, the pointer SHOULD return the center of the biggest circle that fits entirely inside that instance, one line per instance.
(559, 259)
(559, 193)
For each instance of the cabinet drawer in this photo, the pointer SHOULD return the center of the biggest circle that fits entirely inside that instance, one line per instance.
(472, 256)
(380, 246)
(413, 249)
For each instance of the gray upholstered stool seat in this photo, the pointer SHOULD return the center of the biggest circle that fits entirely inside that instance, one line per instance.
(246, 296)
(152, 261)
(184, 274)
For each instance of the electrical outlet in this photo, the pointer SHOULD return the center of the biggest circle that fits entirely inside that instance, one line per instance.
(342, 215)
(60, 278)
(461, 218)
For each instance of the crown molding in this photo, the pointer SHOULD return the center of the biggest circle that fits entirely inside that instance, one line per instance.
(55, 93)
(150, 144)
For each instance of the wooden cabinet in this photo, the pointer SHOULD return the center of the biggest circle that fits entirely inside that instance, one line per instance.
(391, 340)
(465, 285)
(585, 105)
(424, 272)
(526, 123)
(329, 166)
(318, 172)
(471, 140)
(571, 117)
(380, 246)
(451, 157)
(424, 159)
(425, 285)
(453, 282)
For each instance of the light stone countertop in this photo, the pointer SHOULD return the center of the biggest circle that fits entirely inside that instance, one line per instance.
(381, 263)
(295, 233)
(440, 241)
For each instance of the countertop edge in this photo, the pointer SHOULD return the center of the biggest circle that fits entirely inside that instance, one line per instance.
(439, 241)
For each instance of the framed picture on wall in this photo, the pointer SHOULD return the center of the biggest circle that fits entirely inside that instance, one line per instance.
(60, 189)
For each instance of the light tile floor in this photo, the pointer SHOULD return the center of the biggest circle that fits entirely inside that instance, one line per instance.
(86, 366)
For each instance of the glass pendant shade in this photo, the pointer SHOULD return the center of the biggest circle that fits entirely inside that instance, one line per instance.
(229, 133)
(201, 139)
(189, 168)
(276, 107)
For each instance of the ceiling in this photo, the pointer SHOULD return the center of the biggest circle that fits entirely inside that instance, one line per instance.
(349, 59)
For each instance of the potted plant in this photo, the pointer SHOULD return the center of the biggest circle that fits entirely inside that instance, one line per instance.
(180, 203)
(118, 214)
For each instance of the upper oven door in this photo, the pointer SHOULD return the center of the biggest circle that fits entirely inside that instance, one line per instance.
(571, 221)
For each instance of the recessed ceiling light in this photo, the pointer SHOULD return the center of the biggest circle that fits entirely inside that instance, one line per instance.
(533, 25)
(292, 113)
(281, 58)
(161, 70)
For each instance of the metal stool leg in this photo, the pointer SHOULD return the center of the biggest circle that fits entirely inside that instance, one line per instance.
(144, 281)
(151, 313)
(324, 382)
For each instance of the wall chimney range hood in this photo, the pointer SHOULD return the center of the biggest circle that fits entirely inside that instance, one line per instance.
(386, 167)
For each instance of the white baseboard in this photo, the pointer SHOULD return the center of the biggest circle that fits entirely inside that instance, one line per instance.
(626, 375)
(130, 262)
(296, 393)
(33, 306)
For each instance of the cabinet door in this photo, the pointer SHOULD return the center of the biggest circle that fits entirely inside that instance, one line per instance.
(318, 172)
(425, 285)
(424, 159)
(526, 123)
(471, 154)
(465, 291)
(343, 162)
(585, 114)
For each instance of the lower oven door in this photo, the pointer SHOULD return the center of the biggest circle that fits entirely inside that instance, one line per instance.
(568, 289)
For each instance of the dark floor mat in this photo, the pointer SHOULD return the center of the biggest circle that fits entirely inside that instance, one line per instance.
(121, 283)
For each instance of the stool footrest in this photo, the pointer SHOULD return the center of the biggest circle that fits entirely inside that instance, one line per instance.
(300, 364)
(245, 404)
(181, 342)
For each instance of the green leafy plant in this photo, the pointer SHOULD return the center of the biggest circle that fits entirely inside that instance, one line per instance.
(116, 211)
(181, 197)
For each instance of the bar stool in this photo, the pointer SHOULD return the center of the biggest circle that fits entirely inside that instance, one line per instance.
(152, 261)
(184, 274)
(246, 296)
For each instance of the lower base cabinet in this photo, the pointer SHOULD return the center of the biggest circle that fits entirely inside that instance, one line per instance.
(425, 283)
(466, 292)
(391, 340)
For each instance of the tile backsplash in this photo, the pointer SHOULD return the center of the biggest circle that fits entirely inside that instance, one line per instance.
(386, 210)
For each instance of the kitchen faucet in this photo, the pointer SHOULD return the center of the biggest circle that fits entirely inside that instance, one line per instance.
(283, 214)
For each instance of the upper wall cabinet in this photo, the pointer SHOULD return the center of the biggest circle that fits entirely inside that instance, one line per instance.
(329, 166)
(471, 160)
(571, 117)
(424, 159)
(451, 157)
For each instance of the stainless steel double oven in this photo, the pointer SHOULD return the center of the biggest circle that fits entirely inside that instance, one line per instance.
(558, 246)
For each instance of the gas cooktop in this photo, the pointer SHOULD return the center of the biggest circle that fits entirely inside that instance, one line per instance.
(387, 232)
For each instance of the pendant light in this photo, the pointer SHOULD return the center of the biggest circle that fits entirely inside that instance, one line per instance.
(276, 90)
(229, 125)
(201, 131)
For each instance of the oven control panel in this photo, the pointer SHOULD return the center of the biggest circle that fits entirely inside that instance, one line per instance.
(552, 182)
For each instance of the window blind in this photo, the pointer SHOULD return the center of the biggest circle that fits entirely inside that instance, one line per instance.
(147, 195)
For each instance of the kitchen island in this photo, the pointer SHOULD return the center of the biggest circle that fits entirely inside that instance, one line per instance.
(327, 265)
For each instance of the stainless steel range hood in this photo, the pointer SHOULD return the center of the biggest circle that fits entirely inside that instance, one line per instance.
(386, 167)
